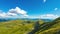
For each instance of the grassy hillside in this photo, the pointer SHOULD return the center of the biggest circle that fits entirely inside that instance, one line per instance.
(30, 27)
(15, 27)
(51, 28)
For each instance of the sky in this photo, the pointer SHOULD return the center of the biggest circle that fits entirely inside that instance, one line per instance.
(30, 9)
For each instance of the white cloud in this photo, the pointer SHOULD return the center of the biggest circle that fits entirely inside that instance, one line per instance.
(48, 16)
(13, 13)
(26, 15)
(3, 15)
(44, 1)
(56, 9)
(17, 10)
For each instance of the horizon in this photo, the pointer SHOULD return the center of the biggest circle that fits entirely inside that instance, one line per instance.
(43, 9)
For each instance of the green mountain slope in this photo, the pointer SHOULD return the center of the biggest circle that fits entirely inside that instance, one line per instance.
(30, 27)
(51, 28)
(15, 27)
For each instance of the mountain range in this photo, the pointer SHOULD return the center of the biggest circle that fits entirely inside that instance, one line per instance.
(8, 19)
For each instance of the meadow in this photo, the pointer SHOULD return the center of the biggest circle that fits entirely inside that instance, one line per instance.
(30, 27)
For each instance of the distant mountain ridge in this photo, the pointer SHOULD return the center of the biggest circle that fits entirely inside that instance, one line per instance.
(7, 19)
(47, 20)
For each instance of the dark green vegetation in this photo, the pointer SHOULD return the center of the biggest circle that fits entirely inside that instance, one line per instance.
(30, 27)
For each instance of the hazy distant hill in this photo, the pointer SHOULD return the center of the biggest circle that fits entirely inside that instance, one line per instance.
(47, 20)
(8, 19)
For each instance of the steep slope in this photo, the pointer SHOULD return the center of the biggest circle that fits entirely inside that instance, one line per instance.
(51, 28)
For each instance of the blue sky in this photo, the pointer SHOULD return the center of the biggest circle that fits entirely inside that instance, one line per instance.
(31, 8)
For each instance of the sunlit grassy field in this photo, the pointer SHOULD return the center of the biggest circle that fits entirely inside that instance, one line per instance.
(30, 26)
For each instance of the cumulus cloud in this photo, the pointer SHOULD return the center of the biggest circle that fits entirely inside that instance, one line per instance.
(13, 13)
(48, 16)
(2, 14)
(44, 1)
(17, 10)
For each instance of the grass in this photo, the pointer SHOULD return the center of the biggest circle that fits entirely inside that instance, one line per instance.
(25, 27)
